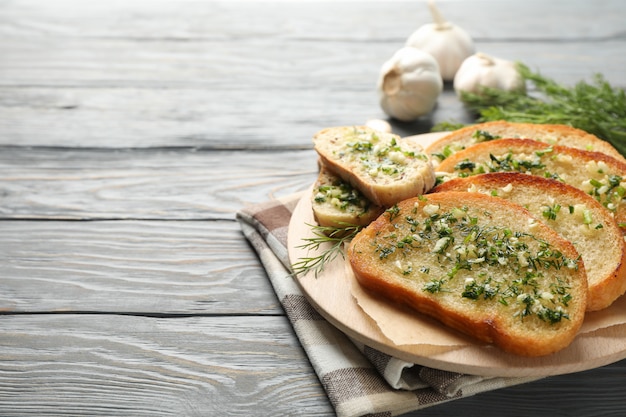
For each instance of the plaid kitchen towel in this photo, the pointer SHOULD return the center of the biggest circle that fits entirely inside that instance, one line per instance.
(359, 380)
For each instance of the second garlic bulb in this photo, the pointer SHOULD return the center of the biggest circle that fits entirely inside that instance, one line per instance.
(481, 70)
(448, 43)
(409, 84)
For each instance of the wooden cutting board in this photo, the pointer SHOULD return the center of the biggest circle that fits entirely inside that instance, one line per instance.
(330, 293)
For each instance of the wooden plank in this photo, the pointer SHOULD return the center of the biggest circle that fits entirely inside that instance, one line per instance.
(183, 184)
(159, 268)
(319, 65)
(238, 113)
(185, 20)
(203, 78)
(197, 79)
(596, 392)
(97, 365)
(204, 117)
(101, 365)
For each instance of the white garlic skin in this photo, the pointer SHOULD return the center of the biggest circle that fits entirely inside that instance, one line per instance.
(449, 46)
(482, 70)
(448, 43)
(379, 124)
(409, 84)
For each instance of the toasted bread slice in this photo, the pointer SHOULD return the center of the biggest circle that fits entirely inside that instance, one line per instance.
(575, 215)
(552, 134)
(470, 261)
(336, 203)
(384, 167)
(595, 173)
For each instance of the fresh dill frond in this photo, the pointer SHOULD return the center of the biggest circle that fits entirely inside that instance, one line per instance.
(595, 107)
(330, 240)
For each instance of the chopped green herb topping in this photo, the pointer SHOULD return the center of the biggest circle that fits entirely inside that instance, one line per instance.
(379, 154)
(342, 196)
(551, 211)
(608, 190)
(606, 187)
(483, 136)
(471, 252)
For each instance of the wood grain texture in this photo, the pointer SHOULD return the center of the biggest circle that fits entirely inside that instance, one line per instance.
(130, 134)
(183, 184)
(564, 395)
(104, 365)
(192, 73)
(200, 117)
(140, 267)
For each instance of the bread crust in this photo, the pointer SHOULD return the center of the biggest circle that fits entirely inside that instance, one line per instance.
(383, 166)
(575, 167)
(561, 207)
(498, 320)
(554, 134)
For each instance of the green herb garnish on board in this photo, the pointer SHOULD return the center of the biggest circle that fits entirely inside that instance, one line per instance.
(595, 107)
(330, 240)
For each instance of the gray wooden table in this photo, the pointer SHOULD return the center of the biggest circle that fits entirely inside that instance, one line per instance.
(131, 132)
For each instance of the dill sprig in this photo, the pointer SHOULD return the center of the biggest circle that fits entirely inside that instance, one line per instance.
(331, 240)
(595, 107)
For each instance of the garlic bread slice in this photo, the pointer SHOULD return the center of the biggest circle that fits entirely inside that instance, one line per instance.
(469, 261)
(383, 166)
(597, 174)
(552, 134)
(576, 216)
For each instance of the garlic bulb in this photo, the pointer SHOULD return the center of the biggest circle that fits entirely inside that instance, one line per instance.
(409, 84)
(482, 70)
(447, 42)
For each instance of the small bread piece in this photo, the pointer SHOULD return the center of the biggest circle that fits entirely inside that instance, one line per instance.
(552, 134)
(575, 215)
(384, 167)
(338, 204)
(468, 260)
(595, 173)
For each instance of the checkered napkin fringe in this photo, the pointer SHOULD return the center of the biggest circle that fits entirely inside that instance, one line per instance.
(359, 380)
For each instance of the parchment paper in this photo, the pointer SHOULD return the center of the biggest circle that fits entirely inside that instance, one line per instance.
(404, 327)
